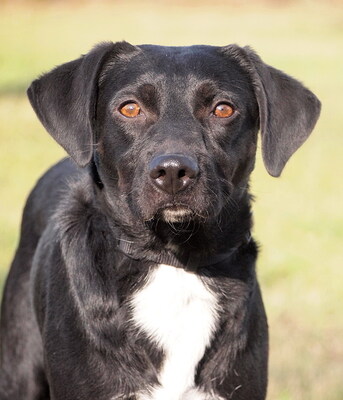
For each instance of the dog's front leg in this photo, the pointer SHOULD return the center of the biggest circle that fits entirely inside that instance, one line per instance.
(89, 350)
(79, 367)
(236, 366)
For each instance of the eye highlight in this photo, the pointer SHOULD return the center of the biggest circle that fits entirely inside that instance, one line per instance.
(130, 110)
(223, 110)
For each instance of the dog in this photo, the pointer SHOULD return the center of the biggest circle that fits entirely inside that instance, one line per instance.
(135, 276)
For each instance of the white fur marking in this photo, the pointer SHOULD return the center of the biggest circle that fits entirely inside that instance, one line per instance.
(176, 215)
(179, 313)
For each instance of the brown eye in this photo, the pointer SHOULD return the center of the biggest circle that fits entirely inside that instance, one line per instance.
(223, 110)
(130, 110)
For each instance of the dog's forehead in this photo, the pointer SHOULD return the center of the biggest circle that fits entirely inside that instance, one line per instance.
(200, 61)
(185, 66)
(188, 57)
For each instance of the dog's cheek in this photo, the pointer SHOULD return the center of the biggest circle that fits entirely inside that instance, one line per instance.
(210, 195)
(115, 162)
(243, 159)
(235, 158)
(146, 199)
(126, 175)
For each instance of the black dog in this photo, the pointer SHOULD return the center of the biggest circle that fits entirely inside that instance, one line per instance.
(135, 273)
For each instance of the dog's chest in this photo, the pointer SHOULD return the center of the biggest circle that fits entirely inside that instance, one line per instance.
(179, 313)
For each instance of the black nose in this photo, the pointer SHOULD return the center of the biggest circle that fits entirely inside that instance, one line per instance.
(173, 172)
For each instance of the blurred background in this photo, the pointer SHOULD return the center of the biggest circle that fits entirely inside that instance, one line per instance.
(298, 217)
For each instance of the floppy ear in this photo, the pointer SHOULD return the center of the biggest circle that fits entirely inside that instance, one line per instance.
(288, 111)
(65, 100)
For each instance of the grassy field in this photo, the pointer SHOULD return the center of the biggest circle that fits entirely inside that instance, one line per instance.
(299, 219)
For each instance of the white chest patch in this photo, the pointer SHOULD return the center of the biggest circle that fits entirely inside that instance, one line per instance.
(178, 312)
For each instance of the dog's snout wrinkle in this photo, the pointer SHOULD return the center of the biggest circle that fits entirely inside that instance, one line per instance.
(173, 173)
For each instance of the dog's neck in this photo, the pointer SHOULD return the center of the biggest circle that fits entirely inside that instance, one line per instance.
(190, 245)
(188, 260)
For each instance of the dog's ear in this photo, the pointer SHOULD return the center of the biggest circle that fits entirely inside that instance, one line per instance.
(288, 111)
(65, 99)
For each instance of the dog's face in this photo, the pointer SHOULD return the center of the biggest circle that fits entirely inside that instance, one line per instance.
(177, 131)
(174, 130)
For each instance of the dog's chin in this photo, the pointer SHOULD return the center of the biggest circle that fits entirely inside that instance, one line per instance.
(176, 214)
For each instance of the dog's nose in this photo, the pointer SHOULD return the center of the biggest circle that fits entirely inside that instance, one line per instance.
(173, 172)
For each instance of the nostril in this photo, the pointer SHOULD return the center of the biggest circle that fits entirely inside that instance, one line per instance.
(161, 173)
(181, 173)
(157, 173)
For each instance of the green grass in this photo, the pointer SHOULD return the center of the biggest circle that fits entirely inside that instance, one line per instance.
(299, 220)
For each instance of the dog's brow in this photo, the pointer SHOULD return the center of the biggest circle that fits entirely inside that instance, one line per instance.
(209, 91)
(134, 92)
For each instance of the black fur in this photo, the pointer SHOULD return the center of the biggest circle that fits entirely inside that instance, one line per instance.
(65, 323)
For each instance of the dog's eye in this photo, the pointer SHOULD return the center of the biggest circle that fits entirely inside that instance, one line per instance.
(223, 110)
(130, 110)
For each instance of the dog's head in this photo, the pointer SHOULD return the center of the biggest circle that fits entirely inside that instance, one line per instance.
(173, 131)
